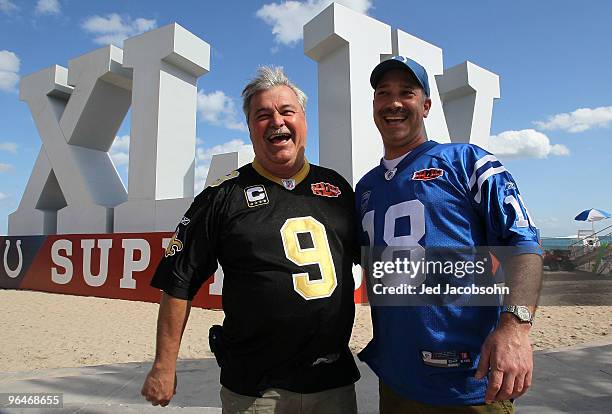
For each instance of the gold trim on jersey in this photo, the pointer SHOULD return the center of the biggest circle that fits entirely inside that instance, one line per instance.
(297, 178)
(224, 178)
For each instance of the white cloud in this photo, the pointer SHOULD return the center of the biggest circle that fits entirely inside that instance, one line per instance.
(120, 150)
(7, 6)
(5, 167)
(217, 108)
(289, 17)
(3, 196)
(527, 143)
(114, 29)
(9, 68)
(9, 62)
(8, 147)
(48, 7)
(204, 156)
(581, 119)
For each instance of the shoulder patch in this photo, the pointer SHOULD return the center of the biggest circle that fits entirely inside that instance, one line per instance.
(175, 245)
(427, 174)
(256, 195)
(224, 178)
(325, 189)
(365, 199)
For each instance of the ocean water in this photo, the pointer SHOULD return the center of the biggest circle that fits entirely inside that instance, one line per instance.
(563, 243)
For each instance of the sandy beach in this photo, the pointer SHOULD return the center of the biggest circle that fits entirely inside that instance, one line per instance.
(44, 330)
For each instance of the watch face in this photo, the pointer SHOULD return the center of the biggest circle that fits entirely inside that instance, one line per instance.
(523, 314)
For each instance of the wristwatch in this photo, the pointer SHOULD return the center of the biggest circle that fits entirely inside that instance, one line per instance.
(521, 312)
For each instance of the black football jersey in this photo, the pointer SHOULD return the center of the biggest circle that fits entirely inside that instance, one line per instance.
(286, 248)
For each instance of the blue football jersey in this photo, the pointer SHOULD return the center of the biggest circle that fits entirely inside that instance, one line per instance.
(442, 196)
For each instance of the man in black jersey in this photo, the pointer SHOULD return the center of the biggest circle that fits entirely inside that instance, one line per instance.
(283, 231)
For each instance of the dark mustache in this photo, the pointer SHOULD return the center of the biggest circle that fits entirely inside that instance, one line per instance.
(398, 111)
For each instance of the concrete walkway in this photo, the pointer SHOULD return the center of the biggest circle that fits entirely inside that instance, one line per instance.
(570, 380)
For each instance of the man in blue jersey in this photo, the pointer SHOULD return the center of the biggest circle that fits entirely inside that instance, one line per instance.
(433, 359)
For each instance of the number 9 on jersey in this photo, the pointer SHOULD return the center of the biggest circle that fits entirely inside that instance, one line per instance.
(319, 254)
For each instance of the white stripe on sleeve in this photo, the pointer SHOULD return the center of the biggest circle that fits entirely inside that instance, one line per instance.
(478, 164)
(484, 177)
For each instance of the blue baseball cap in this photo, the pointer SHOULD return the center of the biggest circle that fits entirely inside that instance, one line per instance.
(400, 62)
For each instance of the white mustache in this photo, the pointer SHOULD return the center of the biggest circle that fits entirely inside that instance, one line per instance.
(278, 131)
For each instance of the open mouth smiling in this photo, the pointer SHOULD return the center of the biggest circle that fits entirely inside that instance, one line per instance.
(278, 137)
(394, 119)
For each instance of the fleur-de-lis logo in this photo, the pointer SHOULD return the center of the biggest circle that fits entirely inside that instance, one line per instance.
(174, 246)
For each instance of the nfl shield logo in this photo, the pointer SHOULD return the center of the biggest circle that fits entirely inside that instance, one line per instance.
(390, 174)
(289, 183)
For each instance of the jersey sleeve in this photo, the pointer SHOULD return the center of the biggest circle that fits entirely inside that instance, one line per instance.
(495, 195)
(347, 189)
(190, 259)
(362, 197)
(356, 247)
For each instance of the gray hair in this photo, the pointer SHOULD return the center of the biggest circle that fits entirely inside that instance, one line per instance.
(269, 77)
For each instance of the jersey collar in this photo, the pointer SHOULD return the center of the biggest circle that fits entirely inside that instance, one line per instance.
(412, 155)
(288, 183)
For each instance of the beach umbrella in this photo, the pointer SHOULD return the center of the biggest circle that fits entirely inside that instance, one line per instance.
(592, 215)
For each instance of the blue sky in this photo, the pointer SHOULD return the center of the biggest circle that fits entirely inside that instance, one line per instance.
(552, 127)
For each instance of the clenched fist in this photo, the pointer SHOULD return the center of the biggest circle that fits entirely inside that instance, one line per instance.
(159, 386)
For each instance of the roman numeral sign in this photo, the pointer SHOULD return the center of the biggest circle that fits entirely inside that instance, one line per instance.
(74, 187)
(346, 46)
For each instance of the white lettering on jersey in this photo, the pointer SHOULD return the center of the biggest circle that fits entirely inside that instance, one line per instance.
(413, 209)
(516, 205)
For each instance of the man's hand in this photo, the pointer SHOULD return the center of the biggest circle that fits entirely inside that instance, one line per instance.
(508, 354)
(160, 386)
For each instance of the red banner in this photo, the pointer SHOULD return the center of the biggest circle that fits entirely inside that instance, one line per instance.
(117, 266)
